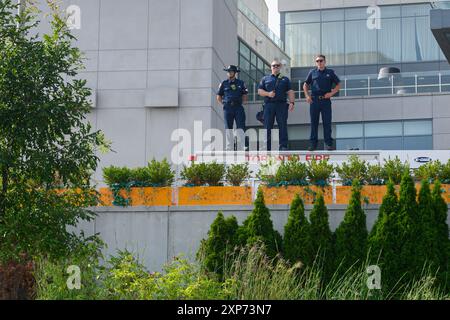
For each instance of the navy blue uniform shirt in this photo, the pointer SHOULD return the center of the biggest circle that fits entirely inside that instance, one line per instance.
(232, 91)
(321, 82)
(268, 84)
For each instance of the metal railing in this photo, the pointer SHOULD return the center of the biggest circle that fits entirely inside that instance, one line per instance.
(260, 24)
(370, 85)
(440, 4)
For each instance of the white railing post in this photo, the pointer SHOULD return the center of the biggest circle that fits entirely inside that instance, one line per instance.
(368, 85)
(415, 82)
(392, 85)
(299, 89)
(440, 82)
(345, 87)
(254, 91)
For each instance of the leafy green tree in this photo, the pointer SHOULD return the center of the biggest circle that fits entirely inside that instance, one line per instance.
(351, 235)
(321, 237)
(258, 227)
(46, 143)
(221, 241)
(440, 209)
(383, 244)
(297, 235)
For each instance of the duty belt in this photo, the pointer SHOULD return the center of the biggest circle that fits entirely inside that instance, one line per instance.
(320, 97)
(234, 103)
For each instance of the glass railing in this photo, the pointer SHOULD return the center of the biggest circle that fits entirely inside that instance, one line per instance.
(370, 85)
(260, 24)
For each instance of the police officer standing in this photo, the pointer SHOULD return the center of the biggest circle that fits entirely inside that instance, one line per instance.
(275, 89)
(320, 80)
(232, 94)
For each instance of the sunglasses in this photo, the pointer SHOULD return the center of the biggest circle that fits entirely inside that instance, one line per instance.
(321, 60)
(276, 65)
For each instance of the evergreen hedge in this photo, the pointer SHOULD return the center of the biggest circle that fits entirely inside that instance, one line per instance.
(351, 235)
(297, 235)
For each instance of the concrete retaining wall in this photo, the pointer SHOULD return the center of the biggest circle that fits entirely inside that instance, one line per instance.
(157, 234)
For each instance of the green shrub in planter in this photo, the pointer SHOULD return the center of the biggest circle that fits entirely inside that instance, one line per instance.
(375, 175)
(117, 175)
(320, 172)
(140, 177)
(444, 175)
(214, 173)
(394, 169)
(237, 173)
(221, 241)
(267, 172)
(292, 172)
(351, 235)
(297, 244)
(160, 174)
(258, 227)
(429, 171)
(351, 170)
(194, 174)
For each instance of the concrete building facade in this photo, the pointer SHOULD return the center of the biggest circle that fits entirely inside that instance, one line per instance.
(406, 111)
(154, 67)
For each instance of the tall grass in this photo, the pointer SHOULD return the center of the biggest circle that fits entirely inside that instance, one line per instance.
(252, 276)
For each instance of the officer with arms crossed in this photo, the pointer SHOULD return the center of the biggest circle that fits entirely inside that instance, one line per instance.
(320, 80)
(231, 94)
(275, 89)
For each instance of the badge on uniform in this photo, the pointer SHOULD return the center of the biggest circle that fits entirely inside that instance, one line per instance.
(233, 87)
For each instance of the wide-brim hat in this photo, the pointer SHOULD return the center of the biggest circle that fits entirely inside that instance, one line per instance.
(232, 68)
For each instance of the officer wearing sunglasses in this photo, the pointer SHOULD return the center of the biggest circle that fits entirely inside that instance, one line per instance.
(275, 89)
(320, 80)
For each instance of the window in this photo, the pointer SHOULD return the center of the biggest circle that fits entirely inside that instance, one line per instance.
(302, 43)
(360, 43)
(343, 36)
(383, 129)
(333, 15)
(392, 143)
(418, 128)
(252, 66)
(303, 17)
(333, 42)
(347, 144)
(389, 41)
(349, 130)
(418, 43)
(387, 135)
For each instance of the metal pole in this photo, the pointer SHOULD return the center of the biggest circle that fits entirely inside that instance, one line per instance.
(254, 91)
(368, 85)
(299, 89)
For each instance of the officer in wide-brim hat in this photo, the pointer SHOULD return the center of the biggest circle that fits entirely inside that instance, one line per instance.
(232, 94)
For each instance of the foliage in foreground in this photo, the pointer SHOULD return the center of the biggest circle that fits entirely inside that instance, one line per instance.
(250, 274)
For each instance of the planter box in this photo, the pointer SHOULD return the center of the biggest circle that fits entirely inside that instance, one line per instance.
(147, 196)
(375, 194)
(285, 195)
(204, 196)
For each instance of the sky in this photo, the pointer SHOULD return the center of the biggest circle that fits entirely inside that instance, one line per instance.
(274, 16)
